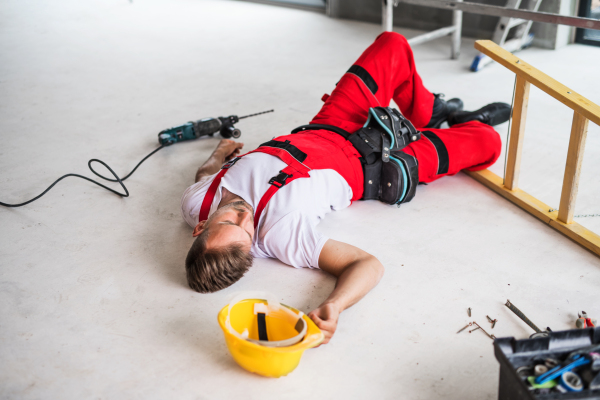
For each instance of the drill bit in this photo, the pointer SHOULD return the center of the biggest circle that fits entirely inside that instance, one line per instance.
(253, 115)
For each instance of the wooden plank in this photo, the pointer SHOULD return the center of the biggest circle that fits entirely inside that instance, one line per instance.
(549, 85)
(538, 209)
(573, 168)
(517, 133)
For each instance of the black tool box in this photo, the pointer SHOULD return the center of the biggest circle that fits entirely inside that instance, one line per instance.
(515, 354)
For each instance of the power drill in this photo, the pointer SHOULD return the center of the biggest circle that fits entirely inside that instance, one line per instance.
(204, 127)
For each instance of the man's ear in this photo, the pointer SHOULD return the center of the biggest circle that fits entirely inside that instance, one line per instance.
(198, 229)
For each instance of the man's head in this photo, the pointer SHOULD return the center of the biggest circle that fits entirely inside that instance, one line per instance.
(220, 255)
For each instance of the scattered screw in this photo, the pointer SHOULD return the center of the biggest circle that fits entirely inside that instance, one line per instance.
(466, 326)
(492, 321)
(469, 311)
(490, 336)
(475, 329)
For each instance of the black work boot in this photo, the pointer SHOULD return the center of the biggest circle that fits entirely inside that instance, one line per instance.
(492, 114)
(443, 108)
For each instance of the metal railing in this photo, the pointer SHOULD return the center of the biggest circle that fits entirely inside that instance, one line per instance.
(459, 6)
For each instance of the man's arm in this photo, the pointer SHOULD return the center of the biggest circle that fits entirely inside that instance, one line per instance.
(225, 151)
(357, 273)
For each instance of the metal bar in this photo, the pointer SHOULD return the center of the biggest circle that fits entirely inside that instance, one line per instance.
(519, 314)
(456, 35)
(502, 29)
(426, 37)
(537, 16)
(514, 22)
(387, 13)
(573, 168)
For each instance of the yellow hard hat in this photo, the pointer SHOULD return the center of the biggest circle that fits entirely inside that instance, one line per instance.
(264, 336)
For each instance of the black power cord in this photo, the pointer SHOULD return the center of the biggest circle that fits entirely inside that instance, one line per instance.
(117, 179)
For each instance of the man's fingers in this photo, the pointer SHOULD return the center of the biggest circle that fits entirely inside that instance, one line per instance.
(313, 315)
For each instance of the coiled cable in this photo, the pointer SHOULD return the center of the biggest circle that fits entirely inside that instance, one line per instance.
(117, 179)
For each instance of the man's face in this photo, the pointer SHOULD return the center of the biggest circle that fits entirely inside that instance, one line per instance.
(232, 223)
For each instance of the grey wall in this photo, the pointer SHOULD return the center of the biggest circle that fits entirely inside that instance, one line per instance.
(554, 36)
(476, 26)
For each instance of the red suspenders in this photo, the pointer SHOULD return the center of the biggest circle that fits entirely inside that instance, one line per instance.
(295, 169)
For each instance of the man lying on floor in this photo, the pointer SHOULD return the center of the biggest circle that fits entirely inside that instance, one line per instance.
(268, 202)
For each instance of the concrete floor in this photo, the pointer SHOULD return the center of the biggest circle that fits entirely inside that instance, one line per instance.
(93, 298)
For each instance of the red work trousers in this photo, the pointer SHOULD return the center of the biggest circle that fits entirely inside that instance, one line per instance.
(389, 61)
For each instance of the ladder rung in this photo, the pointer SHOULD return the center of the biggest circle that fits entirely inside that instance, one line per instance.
(515, 22)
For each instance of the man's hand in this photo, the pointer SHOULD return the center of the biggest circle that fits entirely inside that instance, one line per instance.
(326, 318)
(226, 150)
(357, 272)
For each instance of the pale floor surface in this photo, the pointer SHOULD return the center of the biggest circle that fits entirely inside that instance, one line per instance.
(93, 299)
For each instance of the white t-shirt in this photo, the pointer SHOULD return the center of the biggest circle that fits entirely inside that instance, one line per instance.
(287, 227)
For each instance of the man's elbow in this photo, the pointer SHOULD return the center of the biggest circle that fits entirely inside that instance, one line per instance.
(377, 267)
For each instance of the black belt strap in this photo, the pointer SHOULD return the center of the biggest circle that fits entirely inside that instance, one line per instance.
(365, 77)
(442, 152)
(314, 127)
(287, 146)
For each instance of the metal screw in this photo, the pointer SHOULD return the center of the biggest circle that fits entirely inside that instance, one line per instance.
(569, 92)
(474, 329)
(466, 326)
(492, 321)
(469, 311)
(518, 61)
(483, 330)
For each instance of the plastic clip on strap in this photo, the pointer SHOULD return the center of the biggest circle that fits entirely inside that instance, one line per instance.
(230, 163)
(277, 182)
(280, 180)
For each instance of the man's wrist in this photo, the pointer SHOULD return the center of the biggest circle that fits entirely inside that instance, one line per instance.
(219, 156)
(335, 304)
